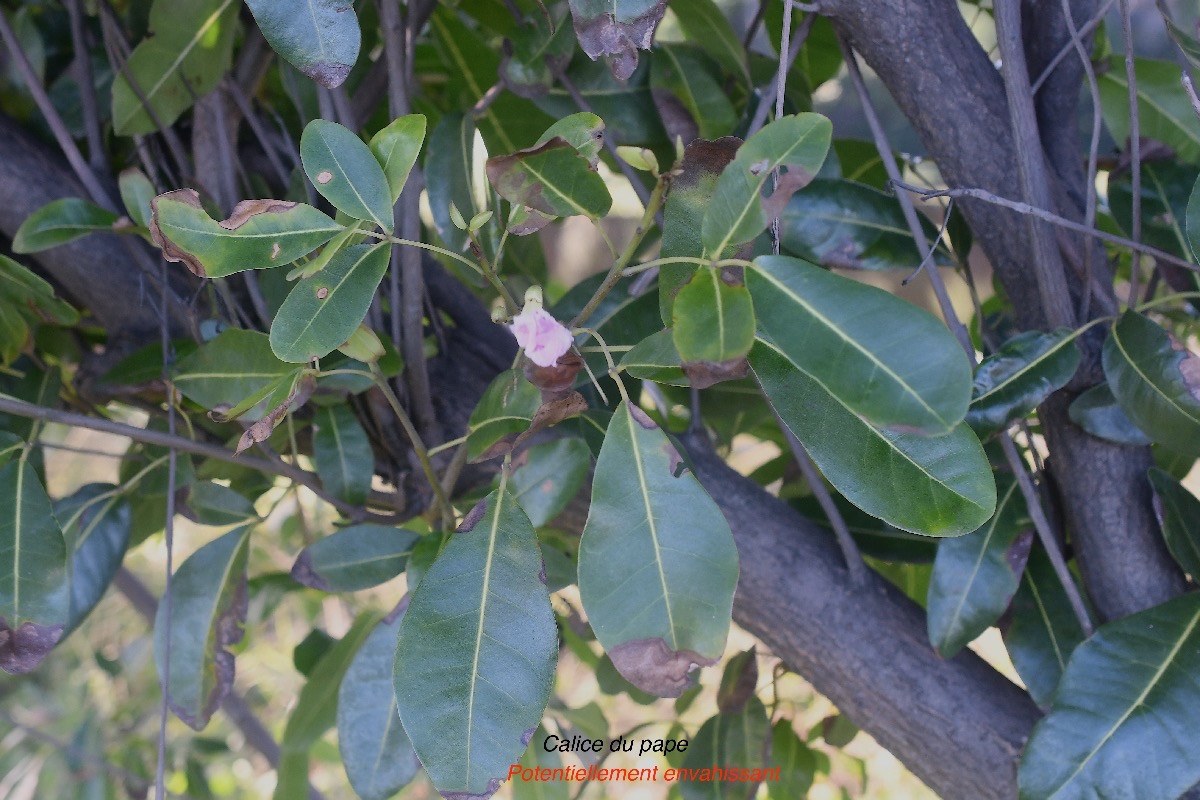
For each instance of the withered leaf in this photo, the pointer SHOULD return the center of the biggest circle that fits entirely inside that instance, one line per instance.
(556, 407)
(261, 430)
(172, 252)
(704, 374)
(21, 650)
(617, 29)
(652, 666)
(246, 209)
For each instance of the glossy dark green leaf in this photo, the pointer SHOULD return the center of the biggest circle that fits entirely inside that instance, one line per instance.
(713, 326)
(1166, 186)
(269, 233)
(224, 371)
(704, 22)
(656, 359)
(136, 193)
(344, 171)
(322, 312)
(627, 107)
(449, 161)
(477, 651)
(354, 558)
(35, 600)
(739, 740)
(59, 222)
(396, 148)
(207, 608)
(846, 225)
(1013, 381)
(1156, 381)
(1098, 413)
(26, 302)
(936, 486)
(552, 178)
(1193, 220)
(975, 576)
(736, 212)
(545, 477)
(536, 49)
(1164, 110)
(691, 193)
(910, 373)
(209, 503)
(318, 37)
(505, 411)
(670, 611)
(1042, 631)
(11, 446)
(1126, 698)
(183, 59)
(345, 461)
(1178, 513)
(615, 29)
(376, 752)
(685, 74)
(535, 757)
(316, 707)
(795, 761)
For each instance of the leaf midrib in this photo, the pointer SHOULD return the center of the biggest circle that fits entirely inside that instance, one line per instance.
(992, 526)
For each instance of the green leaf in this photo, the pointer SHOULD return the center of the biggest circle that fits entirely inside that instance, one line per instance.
(1178, 513)
(975, 576)
(655, 359)
(540, 46)
(35, 599)
(627, 107)
(224, 371)
(136, 193)
(690, 196)
(207, 607)
(318, 37)
(183, 59)
(345, 461)
(396, 148)
(584, 131)
(545, 477)
(713, 326)
(376, 752)
(846, 225)
(1126, 698)
(354, 558)
(1164, 110)
(211, 503)
(1156, 381)
(345, 172)
(935, 486)
(616, 29)
(683, 71)
(671, 611)
(909, 373)
(1097, 412)
(1043, 631)
(795, 761)
(738, 740)
(536, 757)
(703, 22)
(26, 301)
(477, 651)
(316, 707)
(269, 233)
(736, 212)
(322, 312)
(449, 162)
(552, 178)
(59, 222)
(505, 411)
(1166, 186)
(1013, 381)
(1193, 220)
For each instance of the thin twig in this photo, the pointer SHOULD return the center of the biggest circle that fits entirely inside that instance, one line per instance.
(88, 106)
(1089, 218)
(1063, 222)
(235, 91)
(1084, 30)
(168, 356)
(1188, 87)
(1135, 150)
(910, 213)
(770, 92)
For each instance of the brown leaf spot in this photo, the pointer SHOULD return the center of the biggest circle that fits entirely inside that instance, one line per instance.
(21, 650)
(705, 157)
(304, 574)
(703, 374)
(324, 177)
(759, 167)
(652, 666)
(557, 378)
(505, 174)
(790, 182)
(1017, 553)
(493, 787)
(328, 75)
(1189, 369)
(604, 35)
(675, 461)
(261, 430)
(472, 518)
(527, 736)
(274, 250)
(641, 418)
(556, 406)
(532, 222)
(323, 292)
(229, 632)
(171, 251)
(246, 209)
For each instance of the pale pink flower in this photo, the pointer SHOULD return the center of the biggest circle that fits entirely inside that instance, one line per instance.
(544, 338)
